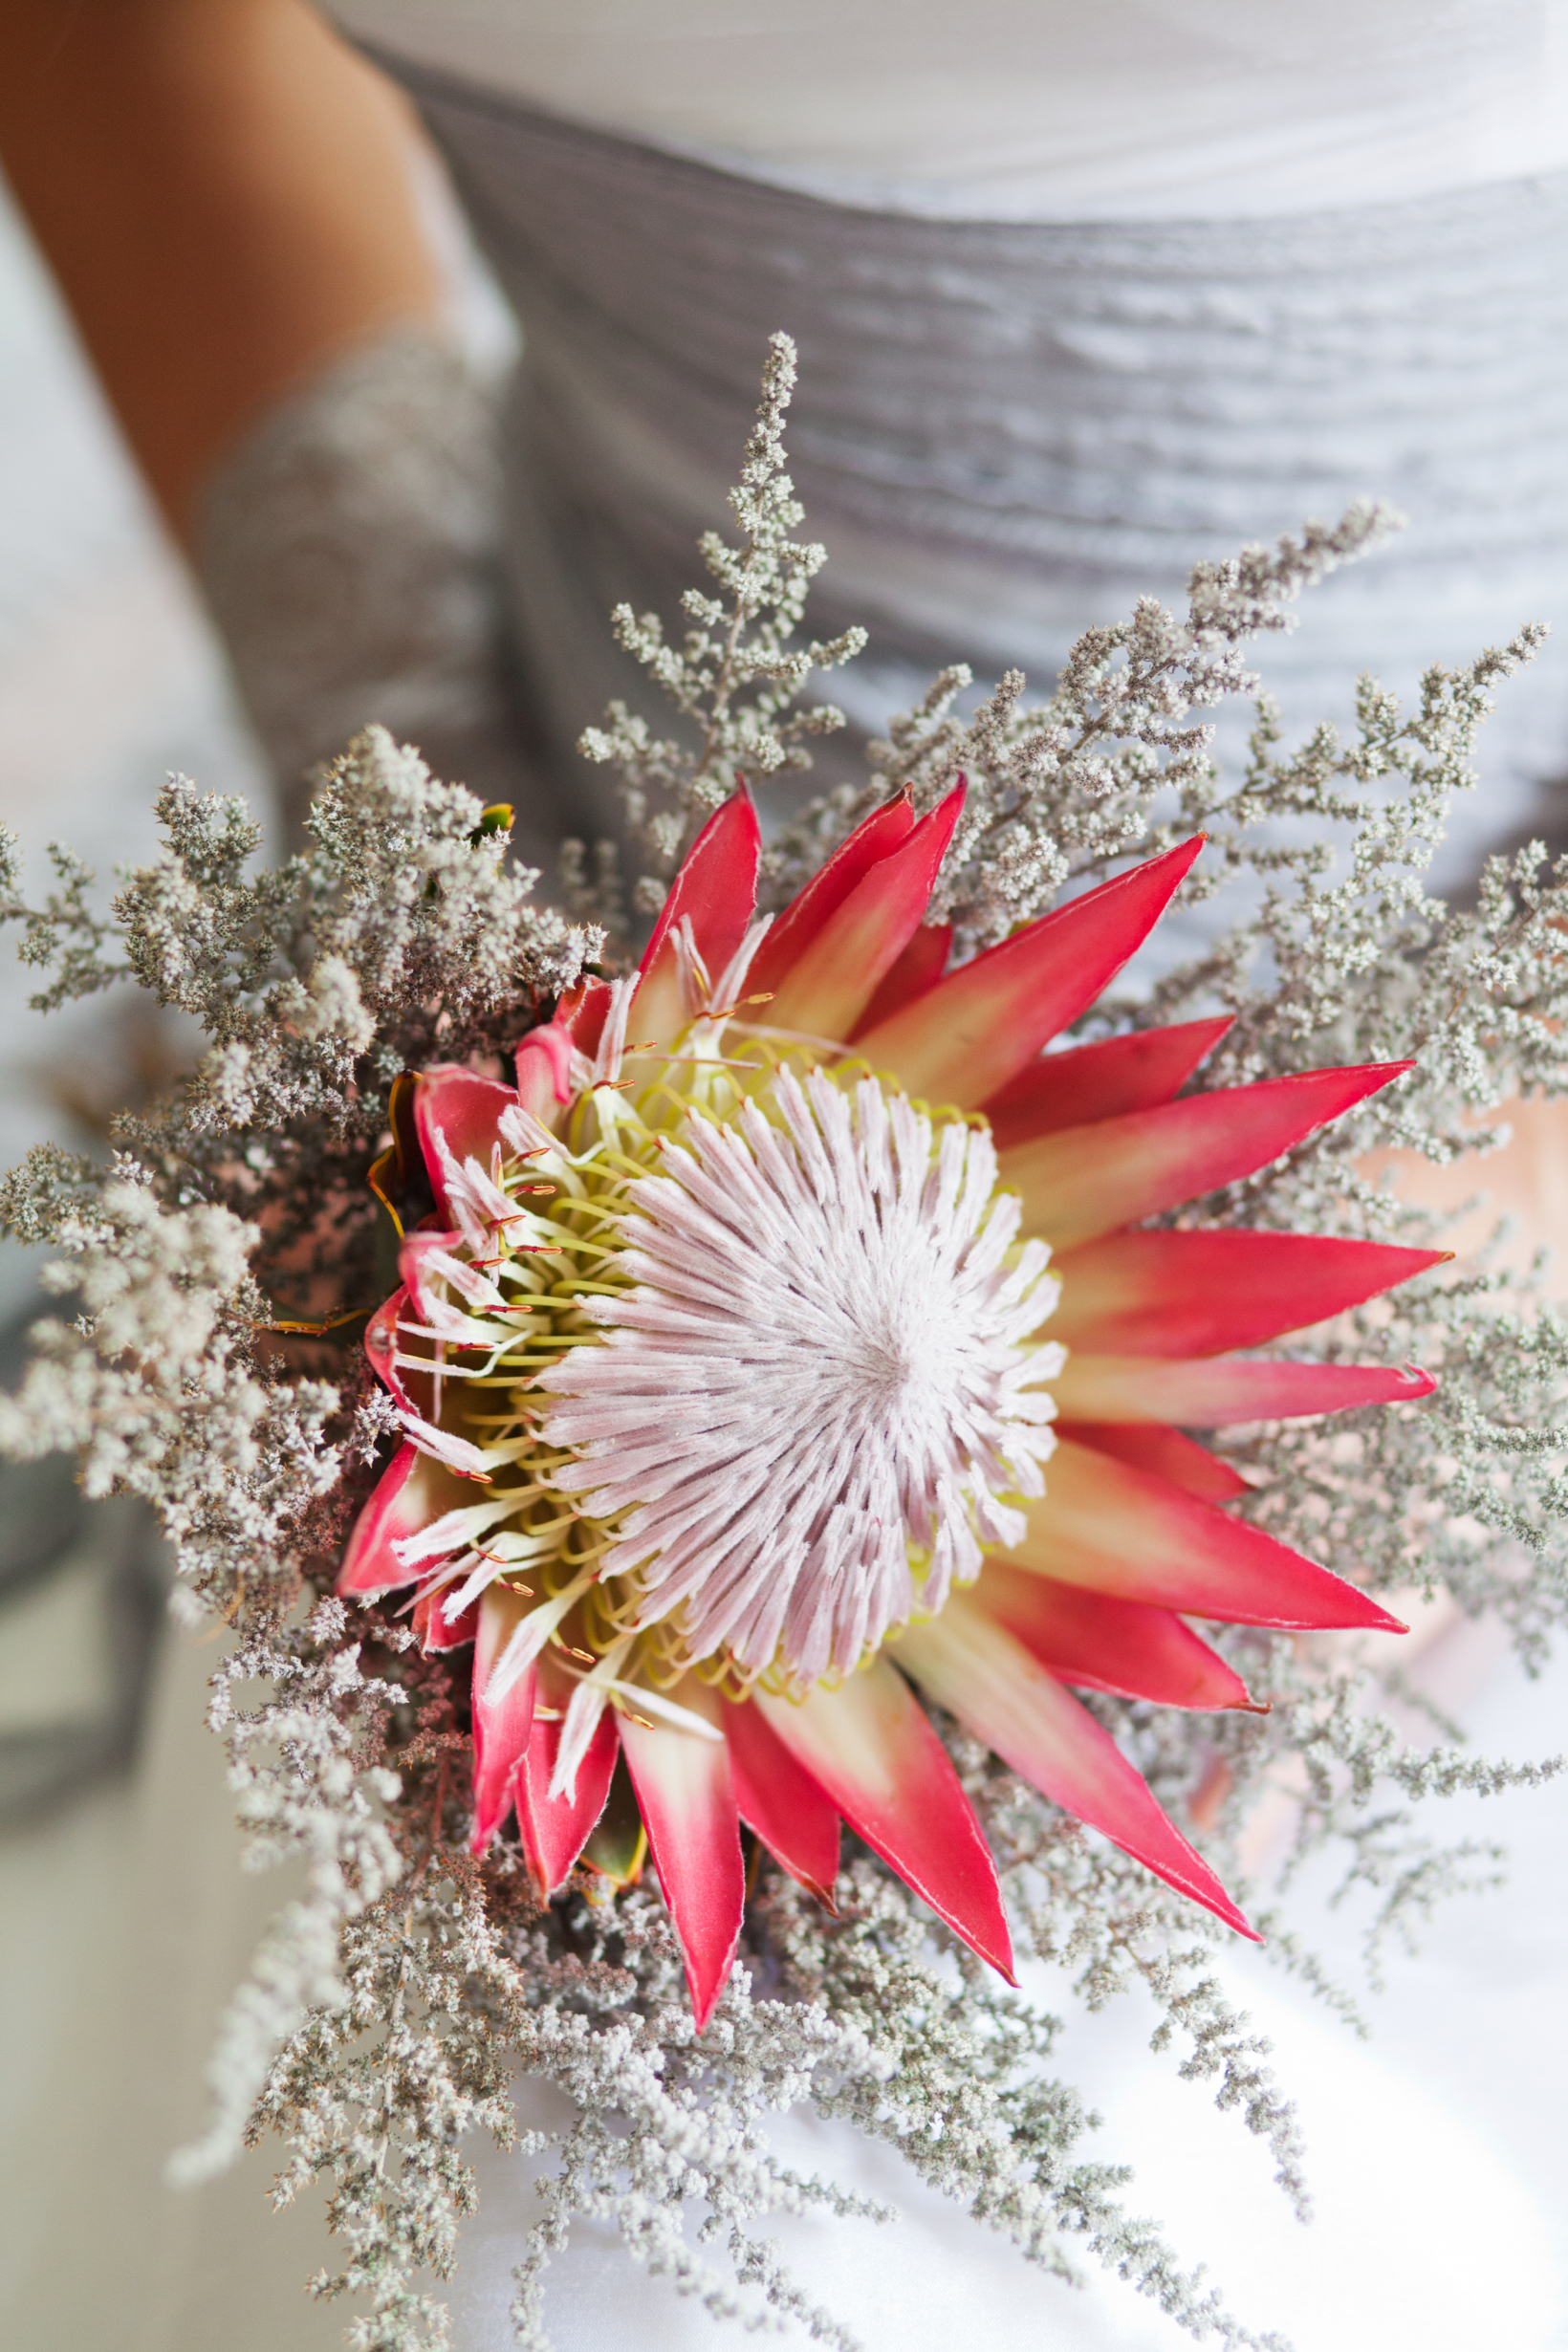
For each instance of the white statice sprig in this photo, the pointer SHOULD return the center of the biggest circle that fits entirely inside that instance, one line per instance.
(736, 676)
(1118, 758)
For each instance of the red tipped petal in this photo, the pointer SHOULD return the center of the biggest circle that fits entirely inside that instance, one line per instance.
(555, 1829)
(828, 888)
(687, 1798)
(1103, 1644)
(1197, 1293)
(914, 975)
(501, 1725)
(830, 982)
(1090, 1082)
(1120, 1530)
(976, 1029)
(778, 1799)
(381, 1345)
(410, 1492)
(422, 1243)
(717, 888)
(412, 1385)
(1087, 1179)
(581, 1012)
(466, 1110)
(436, 1628)
(544, 1069)
(970, 1665)
(870, 1745)
(1217, 1389)
(1168, 1453)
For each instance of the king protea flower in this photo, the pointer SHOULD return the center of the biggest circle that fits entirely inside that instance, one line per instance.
(789, 1344)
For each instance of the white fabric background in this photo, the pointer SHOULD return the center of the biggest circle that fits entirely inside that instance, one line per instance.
(1048, 110)
(1438, 2153)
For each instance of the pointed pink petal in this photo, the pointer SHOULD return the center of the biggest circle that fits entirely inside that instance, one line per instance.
(411, 1387)
(913, 976)
(1169, 1453)
(544, 1068)
(436, 1628)
(870, 1745)
(581, 1012)
(413, 1251)
(828, 888)
(687, 1798)
(717, 888)
(555, 1829)
(1103, 1644)
(976, 1029)
(465, 1110)
(501, 1726)
(1087, 1179)
(1090, 1082)
(410, 1492)
(381, 1345)
(779, 1800)
(969, 1664)
(829, 986)
(1216, 1389)
(1196, 1294)
(1120, 1530)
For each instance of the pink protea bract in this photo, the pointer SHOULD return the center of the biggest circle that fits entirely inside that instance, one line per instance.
(785, 1345)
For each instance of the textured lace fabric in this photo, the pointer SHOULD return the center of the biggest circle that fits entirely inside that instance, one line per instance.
(349, 550)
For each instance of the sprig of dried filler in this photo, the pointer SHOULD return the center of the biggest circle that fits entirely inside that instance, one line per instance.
(393, 2001)
(737, 676)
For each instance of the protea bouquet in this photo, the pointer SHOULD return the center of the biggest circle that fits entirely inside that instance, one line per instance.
(721, 1354)
(647, 1416)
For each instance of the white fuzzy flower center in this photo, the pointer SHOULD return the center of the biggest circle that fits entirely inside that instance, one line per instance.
(809, 1406)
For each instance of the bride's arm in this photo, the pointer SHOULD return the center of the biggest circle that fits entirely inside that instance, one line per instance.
(223, 189)
(1527, 1179)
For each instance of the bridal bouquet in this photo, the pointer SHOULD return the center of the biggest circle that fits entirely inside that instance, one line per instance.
(761, 1486)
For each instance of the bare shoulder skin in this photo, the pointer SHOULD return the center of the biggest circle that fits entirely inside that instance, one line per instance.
(222, 190)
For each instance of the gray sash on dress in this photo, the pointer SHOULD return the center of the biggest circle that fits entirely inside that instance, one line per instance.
(1004, 432)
